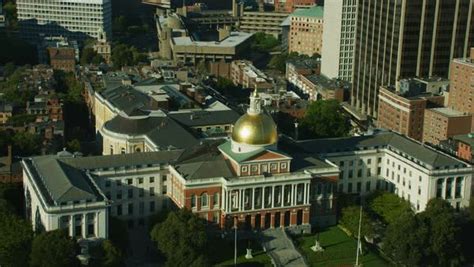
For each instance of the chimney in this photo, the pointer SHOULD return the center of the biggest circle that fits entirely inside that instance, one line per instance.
(261, 5)
(9, 156)
(224, 33)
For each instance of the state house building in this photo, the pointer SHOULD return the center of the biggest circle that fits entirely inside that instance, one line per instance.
(252, 178)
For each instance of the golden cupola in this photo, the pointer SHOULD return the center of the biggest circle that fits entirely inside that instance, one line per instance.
(254, 129)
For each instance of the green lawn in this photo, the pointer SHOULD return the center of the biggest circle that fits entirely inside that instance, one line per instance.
(340, 250)
(222, 253)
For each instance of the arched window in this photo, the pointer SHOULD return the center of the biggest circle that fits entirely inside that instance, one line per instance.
(138, 150)
(122, 151)
(204, 200)
(111, 149)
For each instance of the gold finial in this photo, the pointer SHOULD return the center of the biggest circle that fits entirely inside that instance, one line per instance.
(255, 91)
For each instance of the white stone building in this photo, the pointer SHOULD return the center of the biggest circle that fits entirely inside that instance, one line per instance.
(392, 162)
(252, 180)
(77, 19)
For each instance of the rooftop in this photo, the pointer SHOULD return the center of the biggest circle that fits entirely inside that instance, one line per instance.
(161, 130)
(465, 138)
(412, 148)
(202, 118)
(449, 112)
(324, 81)
(234, 39)
(312, 12)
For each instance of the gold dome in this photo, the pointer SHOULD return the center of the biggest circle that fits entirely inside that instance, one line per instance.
(255, 129)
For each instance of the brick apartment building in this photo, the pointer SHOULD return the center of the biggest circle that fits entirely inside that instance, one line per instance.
(442, 123)
(403, 112)
(461, 90)
(306, 31)
(62, 58)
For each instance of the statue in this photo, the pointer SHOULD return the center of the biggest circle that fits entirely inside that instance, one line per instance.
(317, 247)
(249, 256)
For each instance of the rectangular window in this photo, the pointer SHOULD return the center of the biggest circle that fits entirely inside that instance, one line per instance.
(141, 208)
(119, 210)
(165, 177)
(119, 194)
(130, 193)
(152, 179)
(439, 188)
(107, 183)
(359, 173)
(367, 186)
(369, 161)
(129, 181)
(350, 174)
(359, 187)
(130, 209)
(141, 192)
(349, 188)
(152, 206)
(140, 180)
(152, 191)
(341, 163)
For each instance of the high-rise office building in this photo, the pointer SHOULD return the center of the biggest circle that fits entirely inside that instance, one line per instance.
(338, 38)
(398, 39)
(76, 19)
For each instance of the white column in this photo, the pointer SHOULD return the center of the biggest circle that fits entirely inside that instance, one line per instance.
(71, 225)
(84, 225)
(263, 198)
(240, 200)
(305, 192)
(253, 198)
(273, 197)
(292, 196)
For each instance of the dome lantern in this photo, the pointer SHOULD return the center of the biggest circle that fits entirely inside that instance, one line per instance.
(255, 129)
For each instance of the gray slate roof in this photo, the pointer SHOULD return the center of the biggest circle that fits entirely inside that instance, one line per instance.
(410, 147)
(202, 118)
(64, 179)
(127, 99)
(122, 160)
(203, 161)
(163, 131)
(60, 182)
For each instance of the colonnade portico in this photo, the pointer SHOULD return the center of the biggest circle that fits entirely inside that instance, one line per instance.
(258, 205)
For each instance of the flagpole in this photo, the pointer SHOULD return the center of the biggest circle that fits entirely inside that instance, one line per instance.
(235, 242)
(358, 238)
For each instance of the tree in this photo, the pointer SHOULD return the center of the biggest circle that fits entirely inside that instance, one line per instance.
(182, 238)
(118, 233)
(74, 145)
(389, 207)
(264, 42)
(21, 119)
(444, 235)
(27, 144)
(122, 55)
(90, 56)
(54, 249)
(324, 118)
(405, 240)
(15, 240)
(350, 220)
(106, 254)
(112, 255)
